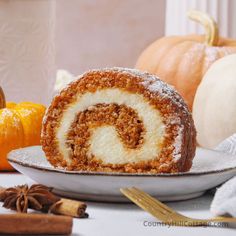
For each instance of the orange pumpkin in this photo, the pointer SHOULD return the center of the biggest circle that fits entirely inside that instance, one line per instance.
(20, 126)
(183, 60)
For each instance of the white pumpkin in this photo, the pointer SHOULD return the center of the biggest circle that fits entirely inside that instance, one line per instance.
(214, 107)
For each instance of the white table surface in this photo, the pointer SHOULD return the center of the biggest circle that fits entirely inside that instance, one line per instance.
(127, 219)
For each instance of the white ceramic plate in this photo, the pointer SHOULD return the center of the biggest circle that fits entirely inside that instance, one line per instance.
(210, 168)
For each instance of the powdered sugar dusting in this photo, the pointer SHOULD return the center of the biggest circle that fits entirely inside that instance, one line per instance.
(211, 55)
(202, 53)
(150, 81)
(178, 144)
(156, 87)
(45, 116)
(8, 113)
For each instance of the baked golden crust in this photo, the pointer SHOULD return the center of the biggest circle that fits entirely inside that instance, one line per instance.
(178, 144)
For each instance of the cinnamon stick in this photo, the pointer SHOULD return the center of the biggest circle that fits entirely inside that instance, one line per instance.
(69, 208)
(64, 206)
(1, 192)
(22, 223)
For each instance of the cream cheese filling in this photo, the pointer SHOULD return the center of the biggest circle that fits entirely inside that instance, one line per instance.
(104, 141)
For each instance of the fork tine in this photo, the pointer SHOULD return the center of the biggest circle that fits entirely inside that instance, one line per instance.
(133, 197)
(154, 201)
(138, 191)
(169, 213)
(159, 205)
(143, 204)
(150, 201)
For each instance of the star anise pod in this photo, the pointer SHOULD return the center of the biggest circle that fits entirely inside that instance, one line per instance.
(21, 197)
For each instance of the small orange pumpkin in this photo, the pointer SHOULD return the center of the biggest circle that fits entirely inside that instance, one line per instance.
(20, 126)
(183, 60)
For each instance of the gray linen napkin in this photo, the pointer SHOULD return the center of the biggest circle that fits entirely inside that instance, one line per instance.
(224, 201)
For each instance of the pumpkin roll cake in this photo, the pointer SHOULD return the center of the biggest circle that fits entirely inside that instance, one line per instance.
(119, 120)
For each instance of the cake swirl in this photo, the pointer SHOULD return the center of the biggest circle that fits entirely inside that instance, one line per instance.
(119, 120)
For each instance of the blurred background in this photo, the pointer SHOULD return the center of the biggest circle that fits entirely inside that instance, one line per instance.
(38, 37)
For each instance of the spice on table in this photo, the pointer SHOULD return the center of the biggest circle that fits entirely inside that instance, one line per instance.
(70, 208)
(2, 192)
(41, 198)
(29, 224)
(21, 197)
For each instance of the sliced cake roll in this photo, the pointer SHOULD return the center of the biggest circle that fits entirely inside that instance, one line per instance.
(119, 120)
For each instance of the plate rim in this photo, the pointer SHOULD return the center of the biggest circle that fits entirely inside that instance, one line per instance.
(12, 159)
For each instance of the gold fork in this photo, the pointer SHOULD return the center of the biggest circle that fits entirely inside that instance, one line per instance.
(168, 215)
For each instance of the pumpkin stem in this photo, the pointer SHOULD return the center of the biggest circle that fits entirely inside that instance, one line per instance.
(2, 99)
(211, 28)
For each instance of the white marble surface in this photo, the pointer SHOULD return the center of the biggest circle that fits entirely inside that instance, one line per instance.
(127, 219)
